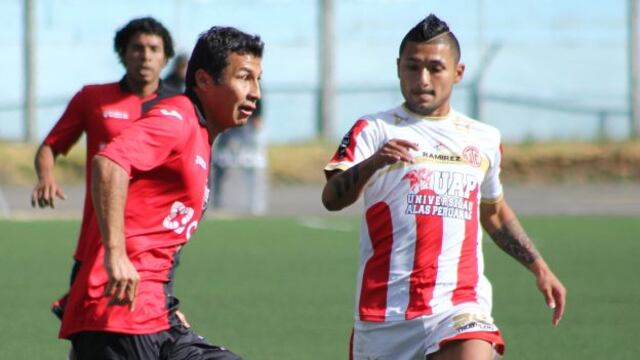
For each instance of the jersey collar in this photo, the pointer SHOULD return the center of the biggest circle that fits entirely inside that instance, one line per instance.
(414, 115)
(197, 105)
(125, 88)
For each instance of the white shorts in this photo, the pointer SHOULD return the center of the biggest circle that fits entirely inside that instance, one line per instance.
(415, 339)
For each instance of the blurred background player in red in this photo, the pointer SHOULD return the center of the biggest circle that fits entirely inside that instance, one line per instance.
(101, 112)
(150, 188)
(429, 177)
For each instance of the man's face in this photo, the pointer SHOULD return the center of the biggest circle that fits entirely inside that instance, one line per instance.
(231, 102)
(427, 72)
(144, 58)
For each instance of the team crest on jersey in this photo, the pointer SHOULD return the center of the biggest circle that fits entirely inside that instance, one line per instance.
(472, 155)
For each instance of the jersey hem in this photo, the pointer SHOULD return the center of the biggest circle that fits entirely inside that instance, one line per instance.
(342, 167)
(117, 161)
(492, 201)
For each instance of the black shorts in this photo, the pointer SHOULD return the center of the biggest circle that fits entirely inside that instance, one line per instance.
(177, 343)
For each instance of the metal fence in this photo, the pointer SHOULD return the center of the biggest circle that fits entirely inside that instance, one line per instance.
(538, 70)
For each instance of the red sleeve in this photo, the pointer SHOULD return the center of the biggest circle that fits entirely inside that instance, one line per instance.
(148, 142)
(70, 126)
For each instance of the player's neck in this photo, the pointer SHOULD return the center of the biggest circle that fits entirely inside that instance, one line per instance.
(143, 89)
(438, 113)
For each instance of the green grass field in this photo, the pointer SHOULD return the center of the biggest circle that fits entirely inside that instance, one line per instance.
(283, 288)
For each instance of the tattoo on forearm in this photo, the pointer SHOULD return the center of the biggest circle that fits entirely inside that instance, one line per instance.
(513, 240)
(344, 183)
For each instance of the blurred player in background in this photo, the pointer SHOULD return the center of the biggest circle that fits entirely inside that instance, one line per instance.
(150, 189)
(430, 177)
(178, 73)
(243, 149)
(101, 112)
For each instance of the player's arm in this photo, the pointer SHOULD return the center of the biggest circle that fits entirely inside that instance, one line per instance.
(343, 188)
(59, 140)
(47, 189)
(109, 187)
(501, 223)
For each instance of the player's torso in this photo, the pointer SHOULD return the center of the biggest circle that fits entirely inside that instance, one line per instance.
(166, 203)
(421, 219)
(108, 111)
(111, 110)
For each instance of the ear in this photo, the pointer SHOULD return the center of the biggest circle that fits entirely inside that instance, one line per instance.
(459, 72)
(203, 79)
(398, 67)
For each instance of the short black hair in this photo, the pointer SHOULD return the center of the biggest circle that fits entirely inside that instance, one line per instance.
(214, 46)
(145, 25)
(430, 29)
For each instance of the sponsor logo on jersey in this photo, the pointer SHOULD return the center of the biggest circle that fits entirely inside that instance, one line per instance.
(475, 322)
(344, 145)
(442, 157)
(440, 193)
(200, 162)
(172, 113)
(472, 155)
(180, 219)
(115, 114)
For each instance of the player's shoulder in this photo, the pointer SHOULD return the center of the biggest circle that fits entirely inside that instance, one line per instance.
(381, 119)
(177, 107)
(99, 88)
(476, 127)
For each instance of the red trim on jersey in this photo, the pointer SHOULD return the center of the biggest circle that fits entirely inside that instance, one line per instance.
(493, 337)
(468, 264)
(375, 278)
(348, 144)
(429, 231)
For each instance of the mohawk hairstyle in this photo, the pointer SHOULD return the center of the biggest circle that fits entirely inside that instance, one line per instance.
(432, 29)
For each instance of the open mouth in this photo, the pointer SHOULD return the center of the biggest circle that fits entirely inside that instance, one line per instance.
(246, 110)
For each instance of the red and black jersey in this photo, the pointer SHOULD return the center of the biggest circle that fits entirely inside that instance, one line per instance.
(102, 112)
(166, 154)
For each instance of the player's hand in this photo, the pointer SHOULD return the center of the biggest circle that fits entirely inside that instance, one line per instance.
(554, 293)
(123, 279)
(183, 319)
(393, 151)
(45, 192)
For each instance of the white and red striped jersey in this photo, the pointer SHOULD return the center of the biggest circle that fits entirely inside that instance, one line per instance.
(420, 239)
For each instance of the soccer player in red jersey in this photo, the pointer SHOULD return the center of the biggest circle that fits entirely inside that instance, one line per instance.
(429, 177)
(102, 111)
(150, 189)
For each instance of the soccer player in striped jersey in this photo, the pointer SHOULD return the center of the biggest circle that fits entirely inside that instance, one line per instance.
(429, 176)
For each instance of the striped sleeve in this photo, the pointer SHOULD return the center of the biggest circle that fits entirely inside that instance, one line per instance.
(358, 144)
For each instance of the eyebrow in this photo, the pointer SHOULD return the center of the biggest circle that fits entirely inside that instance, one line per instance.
(416, 60)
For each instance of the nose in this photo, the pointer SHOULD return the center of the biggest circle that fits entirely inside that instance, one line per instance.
(255, 92)
(146, 53)
(424, 78)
